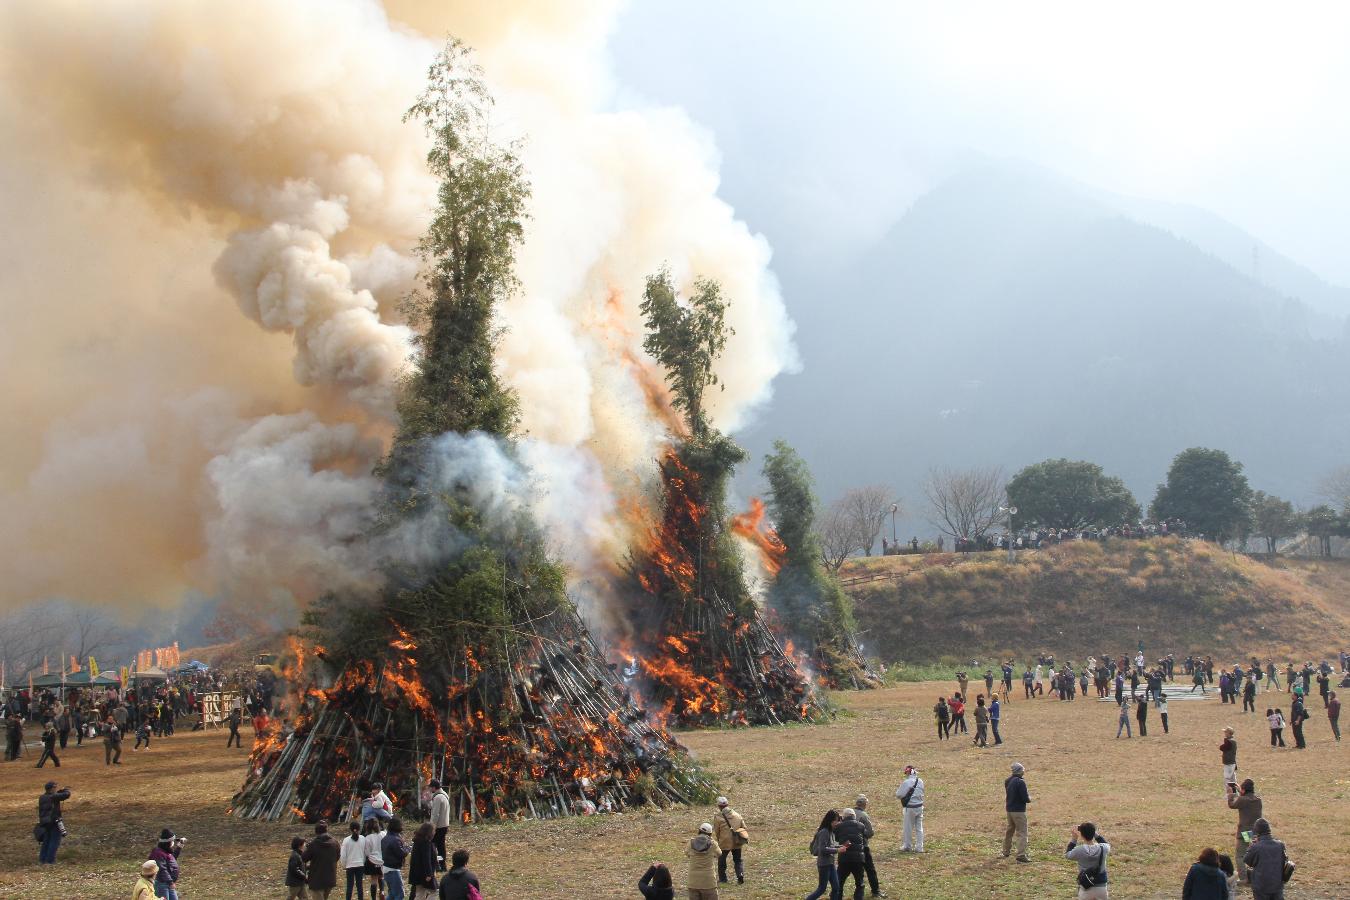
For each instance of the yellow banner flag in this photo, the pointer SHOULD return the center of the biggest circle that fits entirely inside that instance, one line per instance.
(45, 670)
(124, 674)
(93, 668)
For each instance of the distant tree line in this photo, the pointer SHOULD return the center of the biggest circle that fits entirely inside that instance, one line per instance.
(1205, 489)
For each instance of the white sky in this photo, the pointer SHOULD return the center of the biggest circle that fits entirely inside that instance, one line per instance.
(831, 117)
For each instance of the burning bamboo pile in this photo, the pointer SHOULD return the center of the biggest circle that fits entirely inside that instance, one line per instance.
(550, 732)
(700, 659)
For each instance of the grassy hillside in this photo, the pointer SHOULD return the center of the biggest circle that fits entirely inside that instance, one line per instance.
(1080, 598)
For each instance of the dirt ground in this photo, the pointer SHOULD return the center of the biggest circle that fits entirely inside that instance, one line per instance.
(1159, 800)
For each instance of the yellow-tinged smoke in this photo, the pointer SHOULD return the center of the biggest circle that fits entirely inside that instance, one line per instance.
(168, 166)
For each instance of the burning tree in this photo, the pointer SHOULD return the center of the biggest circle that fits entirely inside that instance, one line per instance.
(704, 653)
(810, 603)
(472, 666)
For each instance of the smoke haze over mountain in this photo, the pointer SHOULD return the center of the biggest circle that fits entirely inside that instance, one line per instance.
(1003, 234)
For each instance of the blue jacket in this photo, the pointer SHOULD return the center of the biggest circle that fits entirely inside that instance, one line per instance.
(1015, 790)
(995, 710)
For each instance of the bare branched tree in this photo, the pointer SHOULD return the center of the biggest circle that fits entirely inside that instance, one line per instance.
(838, 537)
(55, 631)
(964, 502)
(867, 507)
(92, 632)
(1335, 489)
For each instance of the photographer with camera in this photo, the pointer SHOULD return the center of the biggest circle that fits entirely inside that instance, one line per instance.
(1248, 806)
(1089, 850)
(50, 826)
(166, 854)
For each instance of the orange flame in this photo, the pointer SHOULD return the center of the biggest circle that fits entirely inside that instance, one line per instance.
(750, 525)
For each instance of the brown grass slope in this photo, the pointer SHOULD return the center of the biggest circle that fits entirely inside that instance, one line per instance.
(1085, 597)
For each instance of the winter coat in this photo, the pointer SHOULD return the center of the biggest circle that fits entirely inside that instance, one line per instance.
(1266, 860)
(850, 831)
(725, 826)
(1015, 793)
(915, 799)
(143, 890)
(393, 852)
(49, 806)
(295, 869)
(1205, 883)
(869, 830)
(322, 856)
(1089, 857)
(372, 844)
(353, 852)
(981, 715)
(422, 864)
(440, 810)
(1229, 750)
(1248, 807)
(825, 848)
(650, 891)
(702, 853)
(168, 863)
(455, 884)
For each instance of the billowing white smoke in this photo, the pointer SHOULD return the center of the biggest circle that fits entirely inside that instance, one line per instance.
(262, 142)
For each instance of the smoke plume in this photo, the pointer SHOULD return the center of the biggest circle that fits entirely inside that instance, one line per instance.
(170, 166)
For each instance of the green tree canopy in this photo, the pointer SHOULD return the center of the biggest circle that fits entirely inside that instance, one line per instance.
(1324, 523)
(1273, 519)
(1062, 493)
(686, 336)
(814, 607)
(468, 255)
(1206, 489)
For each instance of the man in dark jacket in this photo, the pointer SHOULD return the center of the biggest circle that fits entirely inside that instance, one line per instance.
(455, 884)
(322, 856)
(49, 747)
(1265, 858)
(1334, 715)
(1016, 799)
(13, 736)
(49, 819)
(852, 861)
(1248, 806)
(1297, 714)
(393, 853)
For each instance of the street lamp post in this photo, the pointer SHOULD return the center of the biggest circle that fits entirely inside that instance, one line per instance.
(895, 508)
(1012, 546)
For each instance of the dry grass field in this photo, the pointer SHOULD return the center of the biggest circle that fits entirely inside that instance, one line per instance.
(1158, 799)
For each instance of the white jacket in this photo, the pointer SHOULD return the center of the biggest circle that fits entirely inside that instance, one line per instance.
(913, 781)
(372, 842)
(440, 810)
(353, 854)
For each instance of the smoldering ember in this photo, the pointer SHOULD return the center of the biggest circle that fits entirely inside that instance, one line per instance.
(518, 541)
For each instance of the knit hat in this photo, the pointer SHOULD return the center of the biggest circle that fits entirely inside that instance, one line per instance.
(166, 834)
(149, 868)
(1018, 768)
(861, 801)
(705, 828)
(49, 785)
(1261, 827)
(721, 801)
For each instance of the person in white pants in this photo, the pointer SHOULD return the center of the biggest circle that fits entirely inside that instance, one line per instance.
(910, 795)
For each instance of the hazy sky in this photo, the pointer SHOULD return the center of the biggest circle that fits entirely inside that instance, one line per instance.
(831, 117)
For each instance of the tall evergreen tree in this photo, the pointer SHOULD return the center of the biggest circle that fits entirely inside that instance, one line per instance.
(811, 603)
